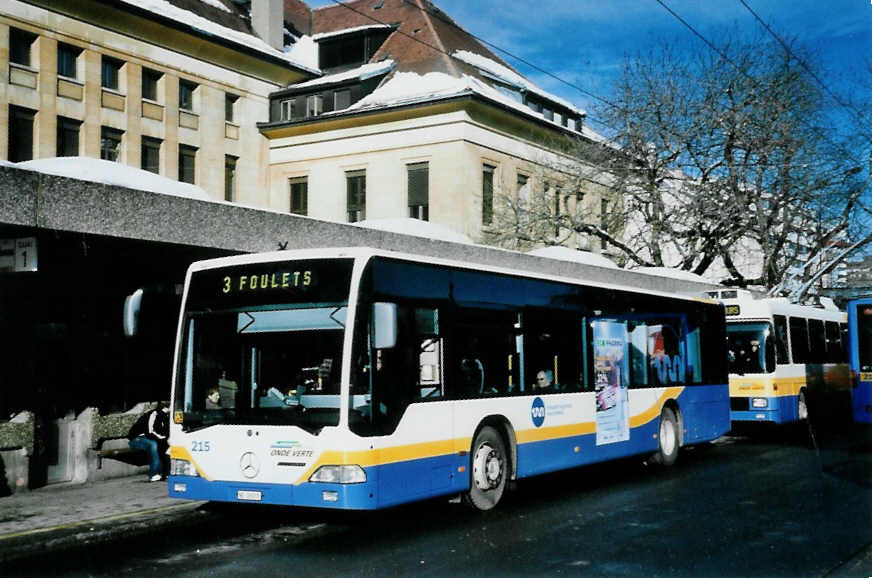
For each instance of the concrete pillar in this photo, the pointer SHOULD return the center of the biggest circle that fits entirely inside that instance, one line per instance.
(268, 22)
(45, 139)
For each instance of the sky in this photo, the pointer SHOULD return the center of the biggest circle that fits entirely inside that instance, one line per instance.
(584, 42)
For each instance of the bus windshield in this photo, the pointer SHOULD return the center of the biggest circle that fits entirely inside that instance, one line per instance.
(269, 355)
(750, 349)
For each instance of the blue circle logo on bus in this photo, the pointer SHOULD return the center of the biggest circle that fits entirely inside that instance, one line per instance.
(537, 412)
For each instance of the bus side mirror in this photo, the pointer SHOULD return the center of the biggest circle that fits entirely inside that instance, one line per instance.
(384, 325)
(132, 305)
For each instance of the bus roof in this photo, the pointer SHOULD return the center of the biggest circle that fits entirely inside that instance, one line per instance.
(750, 308)
(369, 252)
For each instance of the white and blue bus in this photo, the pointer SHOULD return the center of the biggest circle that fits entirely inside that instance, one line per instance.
(860, 356)
(361, 379)
(784, 359)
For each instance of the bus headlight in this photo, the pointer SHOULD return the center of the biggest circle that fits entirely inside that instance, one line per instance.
(349, 474)
(759, 402)
(182, 468)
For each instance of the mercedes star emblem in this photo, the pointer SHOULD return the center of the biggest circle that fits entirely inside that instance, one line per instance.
(249, 464)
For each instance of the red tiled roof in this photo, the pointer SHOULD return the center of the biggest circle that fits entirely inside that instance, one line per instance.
(422, 41)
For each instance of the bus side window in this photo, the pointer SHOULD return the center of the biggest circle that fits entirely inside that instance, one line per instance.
(781, 349)
(798, 339)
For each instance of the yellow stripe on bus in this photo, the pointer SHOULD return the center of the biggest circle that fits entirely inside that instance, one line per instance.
(784, 386)
(369, 458)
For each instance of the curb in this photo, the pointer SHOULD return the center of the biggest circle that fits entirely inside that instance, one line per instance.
(38, 542)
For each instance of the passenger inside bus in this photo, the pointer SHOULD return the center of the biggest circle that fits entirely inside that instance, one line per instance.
(213, 398)
(544, 381)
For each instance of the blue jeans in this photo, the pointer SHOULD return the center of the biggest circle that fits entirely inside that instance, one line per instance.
(150, 448)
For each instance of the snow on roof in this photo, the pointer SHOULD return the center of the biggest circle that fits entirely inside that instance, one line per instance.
(324, 35)
(673, 273)
(567, 254)
(361, 73)
(216, 4)
(304, 52)
(411, 88)
(417, 228)
(109, 173)
(197, 22)
(510, 77)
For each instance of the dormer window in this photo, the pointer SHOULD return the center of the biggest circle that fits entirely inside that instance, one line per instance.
(351, 50)
(287, 109)
(341, 99)
(314, 105)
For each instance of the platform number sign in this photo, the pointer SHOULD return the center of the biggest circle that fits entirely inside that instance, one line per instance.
(17, 255)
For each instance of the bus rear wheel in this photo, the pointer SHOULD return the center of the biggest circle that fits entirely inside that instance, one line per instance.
(488, 466)
(668, 439)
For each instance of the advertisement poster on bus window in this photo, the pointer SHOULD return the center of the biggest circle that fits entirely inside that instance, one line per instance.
(611, 371)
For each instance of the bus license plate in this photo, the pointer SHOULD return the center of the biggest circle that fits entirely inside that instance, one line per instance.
(249, 495)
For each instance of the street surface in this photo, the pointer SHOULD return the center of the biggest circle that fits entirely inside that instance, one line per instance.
(779, 503)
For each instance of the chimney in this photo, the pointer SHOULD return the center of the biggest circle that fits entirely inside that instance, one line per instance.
(268, 21)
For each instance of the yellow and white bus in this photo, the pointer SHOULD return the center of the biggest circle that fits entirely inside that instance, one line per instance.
(783, 358)
(359, 378)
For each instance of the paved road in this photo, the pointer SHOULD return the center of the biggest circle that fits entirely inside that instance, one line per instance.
(774, 505)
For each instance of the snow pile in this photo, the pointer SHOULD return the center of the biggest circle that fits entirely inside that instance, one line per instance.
(109, 173)
(673, 274)
(417, 228)
(188, 18)
(567, 254)
(361, 73)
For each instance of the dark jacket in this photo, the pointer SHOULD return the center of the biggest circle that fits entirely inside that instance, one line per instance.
(159, 428)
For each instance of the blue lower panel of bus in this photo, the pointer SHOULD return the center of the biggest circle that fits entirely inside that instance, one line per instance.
(386, 485)
(862, 402)
(351, 496)
(782, 409)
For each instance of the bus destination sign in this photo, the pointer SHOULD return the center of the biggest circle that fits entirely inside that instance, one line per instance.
(732, 310)
(250, 283)
(280, 282)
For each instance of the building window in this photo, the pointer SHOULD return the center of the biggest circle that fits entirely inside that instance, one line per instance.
(522, 184)
(286, 110)
(110, 143)
(20, 45)
(314, 105)
(150, 80)
(151, 154)
(341, 99)
(110, 72)
(229, 178)
(299, 195)
(355, 186)
(230, 107)
(487, 194)
(68, 60)
(186, 95)
(20, 134)
(187, 164)
(68, 137)
(418, 179)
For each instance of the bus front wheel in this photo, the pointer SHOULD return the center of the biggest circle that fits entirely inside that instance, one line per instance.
(668, 439)
(488, 470)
